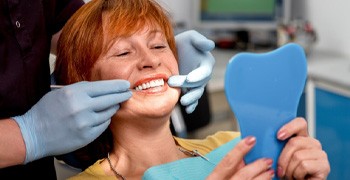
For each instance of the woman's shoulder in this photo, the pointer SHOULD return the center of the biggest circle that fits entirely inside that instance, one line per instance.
(208, 144)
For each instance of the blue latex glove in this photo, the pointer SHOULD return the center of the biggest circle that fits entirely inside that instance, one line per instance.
(195, 66)
(71, 117)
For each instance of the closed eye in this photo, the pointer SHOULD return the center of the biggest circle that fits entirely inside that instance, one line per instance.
(159, 47)
(122, 54)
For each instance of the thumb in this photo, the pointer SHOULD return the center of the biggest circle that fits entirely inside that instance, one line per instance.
(201, 43)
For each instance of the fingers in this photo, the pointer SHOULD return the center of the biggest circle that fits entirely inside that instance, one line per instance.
(302, 157)
(190, 99)
(311, 163)
(101, 103)
(182, 81)
(232, 166)
(98, 88)
(177, 80)
(297, 158)
(296, 144)
(315, 169)
(231, 163)
(291, 149)
(201, 42)
(190, 108)
(192, 96)
(99, 95)
(97, 130)
(297, 126)
(203, 72)
(260, 169)
(269, 174)
(101, 117)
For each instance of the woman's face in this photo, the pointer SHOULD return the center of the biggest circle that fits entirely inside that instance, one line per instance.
(146, 61)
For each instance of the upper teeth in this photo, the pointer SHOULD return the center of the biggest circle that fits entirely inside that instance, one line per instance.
(153, 83)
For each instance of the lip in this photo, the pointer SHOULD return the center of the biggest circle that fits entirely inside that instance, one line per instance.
(150, 78)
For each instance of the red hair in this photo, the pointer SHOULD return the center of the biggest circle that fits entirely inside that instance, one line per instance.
(93, 28)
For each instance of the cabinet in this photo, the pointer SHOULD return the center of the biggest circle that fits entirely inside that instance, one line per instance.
(328, 109)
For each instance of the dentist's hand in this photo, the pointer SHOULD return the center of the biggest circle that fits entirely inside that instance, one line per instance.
(71, 117)
(195, 65)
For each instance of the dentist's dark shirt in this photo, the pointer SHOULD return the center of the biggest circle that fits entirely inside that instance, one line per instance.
(26, 29)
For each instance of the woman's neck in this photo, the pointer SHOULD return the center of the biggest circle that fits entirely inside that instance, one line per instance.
(141, 144)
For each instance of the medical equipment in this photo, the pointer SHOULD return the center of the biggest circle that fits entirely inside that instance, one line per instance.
(53, 87)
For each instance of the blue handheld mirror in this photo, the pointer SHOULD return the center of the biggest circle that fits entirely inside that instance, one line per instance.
(263, 91)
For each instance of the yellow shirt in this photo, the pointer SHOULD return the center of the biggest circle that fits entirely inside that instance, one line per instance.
(204, 146)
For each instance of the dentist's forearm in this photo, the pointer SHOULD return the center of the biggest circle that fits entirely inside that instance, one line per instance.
(12, 147)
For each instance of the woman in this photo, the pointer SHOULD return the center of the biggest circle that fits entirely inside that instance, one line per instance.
(137, 36)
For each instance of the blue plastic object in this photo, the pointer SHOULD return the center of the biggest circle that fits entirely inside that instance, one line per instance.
(263, 91)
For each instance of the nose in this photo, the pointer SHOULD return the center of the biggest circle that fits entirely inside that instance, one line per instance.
(149, 60)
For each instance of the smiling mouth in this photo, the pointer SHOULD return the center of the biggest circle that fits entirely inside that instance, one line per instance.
(150, 84)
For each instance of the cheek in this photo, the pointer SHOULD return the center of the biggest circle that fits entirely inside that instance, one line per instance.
(175, 68)
(107, 71)
(172, 65)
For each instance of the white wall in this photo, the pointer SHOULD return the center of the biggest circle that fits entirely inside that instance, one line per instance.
(180, 10)
(331, 21)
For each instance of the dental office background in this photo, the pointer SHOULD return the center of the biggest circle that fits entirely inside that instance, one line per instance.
(325, 36)
(327, 93)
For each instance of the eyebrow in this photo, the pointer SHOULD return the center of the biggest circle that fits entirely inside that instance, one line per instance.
(155, 31)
